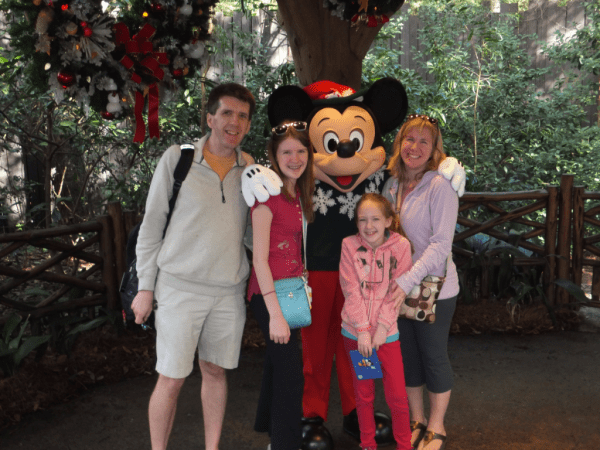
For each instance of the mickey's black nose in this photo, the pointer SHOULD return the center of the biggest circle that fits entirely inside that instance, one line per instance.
(346, 149)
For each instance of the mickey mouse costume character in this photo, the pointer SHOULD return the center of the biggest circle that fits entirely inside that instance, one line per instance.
(345, 129)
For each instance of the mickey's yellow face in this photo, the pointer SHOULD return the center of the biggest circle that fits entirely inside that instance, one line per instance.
(343, 143)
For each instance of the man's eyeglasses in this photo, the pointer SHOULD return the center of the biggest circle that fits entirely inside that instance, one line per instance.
(431, 120)
(280, 130)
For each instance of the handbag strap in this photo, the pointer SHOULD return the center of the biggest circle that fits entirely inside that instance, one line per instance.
(304, 229)
(399, 198)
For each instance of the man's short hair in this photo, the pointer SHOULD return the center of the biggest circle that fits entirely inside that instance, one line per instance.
(230, 90)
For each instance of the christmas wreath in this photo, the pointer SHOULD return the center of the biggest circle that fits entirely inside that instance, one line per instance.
(366, 12)
(113, 60)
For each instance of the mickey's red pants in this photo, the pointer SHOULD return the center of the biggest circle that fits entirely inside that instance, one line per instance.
(321, 341)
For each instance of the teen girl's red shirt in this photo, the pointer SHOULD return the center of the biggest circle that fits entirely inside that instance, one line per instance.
(285, 255)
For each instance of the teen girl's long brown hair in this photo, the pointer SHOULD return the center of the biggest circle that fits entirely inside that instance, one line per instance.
(306, 182)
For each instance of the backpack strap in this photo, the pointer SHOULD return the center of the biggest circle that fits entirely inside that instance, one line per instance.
(181, 171)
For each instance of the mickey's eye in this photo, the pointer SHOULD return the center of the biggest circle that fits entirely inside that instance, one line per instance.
(330, 142)
(357, 139)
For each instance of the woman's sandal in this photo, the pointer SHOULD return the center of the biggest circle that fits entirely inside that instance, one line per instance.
(430, 436)
(414, 425)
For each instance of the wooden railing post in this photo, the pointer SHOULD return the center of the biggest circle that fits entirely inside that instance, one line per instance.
(564, 234)
(115, 211)
(596, 284)
(109, 275)
(550, 244)
(130, 220)
(578, 210)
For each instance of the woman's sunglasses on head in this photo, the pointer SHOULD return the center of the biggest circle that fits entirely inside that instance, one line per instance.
(431, 120)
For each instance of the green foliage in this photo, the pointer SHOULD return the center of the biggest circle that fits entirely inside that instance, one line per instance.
(573, 290)
(259, 77)
(481, 86)
(14, 346)
(65, 328)
(251, 7)
(580, 51)
(473, 76)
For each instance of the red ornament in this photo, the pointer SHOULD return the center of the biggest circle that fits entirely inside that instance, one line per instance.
(87, 31)
(83, 23)
(384, 18)
(65, 78)
(156, 7)
(177, 73)
(372, 22)
(108, 116)
(64, 7)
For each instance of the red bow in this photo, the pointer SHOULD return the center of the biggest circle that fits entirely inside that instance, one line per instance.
(139, 48)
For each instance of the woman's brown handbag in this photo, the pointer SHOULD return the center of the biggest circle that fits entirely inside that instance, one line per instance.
(420, 302)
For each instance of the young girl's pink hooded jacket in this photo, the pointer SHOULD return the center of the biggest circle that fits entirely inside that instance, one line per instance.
(365, 276)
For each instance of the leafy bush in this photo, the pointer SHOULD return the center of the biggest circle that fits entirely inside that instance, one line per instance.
(508, 136)
(14, 346)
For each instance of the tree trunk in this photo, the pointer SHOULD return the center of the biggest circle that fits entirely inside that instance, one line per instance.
(324, 47)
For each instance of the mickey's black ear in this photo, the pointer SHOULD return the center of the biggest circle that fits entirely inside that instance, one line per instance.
(288, 103)
(388, 101)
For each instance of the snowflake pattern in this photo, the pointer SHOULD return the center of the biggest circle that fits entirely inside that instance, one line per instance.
(375, 182)
(322, 200)
(348, 203)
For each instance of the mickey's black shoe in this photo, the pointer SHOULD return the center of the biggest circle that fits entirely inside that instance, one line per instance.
(315, 436)
(383, 428)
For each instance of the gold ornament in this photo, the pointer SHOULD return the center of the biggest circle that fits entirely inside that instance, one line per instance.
(43, 20)
(37, 2)
(71, 29)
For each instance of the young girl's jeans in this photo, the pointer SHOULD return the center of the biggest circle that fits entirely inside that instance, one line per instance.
(395, 396)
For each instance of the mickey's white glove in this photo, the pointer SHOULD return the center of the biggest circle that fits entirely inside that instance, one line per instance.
(259, 183)
(453, 171)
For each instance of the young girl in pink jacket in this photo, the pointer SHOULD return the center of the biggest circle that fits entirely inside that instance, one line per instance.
(370, 261)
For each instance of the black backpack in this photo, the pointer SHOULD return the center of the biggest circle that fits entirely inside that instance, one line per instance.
(129, 282)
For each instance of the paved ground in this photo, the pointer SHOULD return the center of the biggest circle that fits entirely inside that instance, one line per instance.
(522, 393)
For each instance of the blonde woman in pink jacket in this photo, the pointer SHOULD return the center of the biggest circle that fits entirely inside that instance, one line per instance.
(370, 261)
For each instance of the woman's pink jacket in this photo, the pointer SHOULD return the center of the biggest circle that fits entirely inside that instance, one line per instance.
(365, 276)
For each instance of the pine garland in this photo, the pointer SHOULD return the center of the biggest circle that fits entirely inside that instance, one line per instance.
(111, 60)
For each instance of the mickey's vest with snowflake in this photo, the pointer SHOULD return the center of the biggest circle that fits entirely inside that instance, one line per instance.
(334, 220)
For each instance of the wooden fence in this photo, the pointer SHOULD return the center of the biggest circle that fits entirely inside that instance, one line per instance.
(567, 246)
(95, 250)
(74, 267)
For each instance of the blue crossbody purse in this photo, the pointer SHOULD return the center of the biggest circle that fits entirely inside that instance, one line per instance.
(295, 295)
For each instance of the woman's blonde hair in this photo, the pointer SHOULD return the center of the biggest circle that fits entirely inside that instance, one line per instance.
(396, 165)
(306, 182)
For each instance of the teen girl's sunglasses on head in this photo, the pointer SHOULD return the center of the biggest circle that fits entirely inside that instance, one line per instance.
(280, 130)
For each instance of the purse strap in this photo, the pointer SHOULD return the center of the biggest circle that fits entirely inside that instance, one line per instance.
(304, 229)
(399, 198)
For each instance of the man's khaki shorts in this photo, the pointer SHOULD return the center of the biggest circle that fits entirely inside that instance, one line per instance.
(186, 322)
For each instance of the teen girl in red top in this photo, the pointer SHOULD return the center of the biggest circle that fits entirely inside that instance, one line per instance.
(277, 241)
